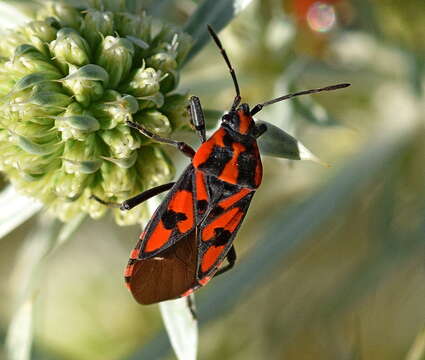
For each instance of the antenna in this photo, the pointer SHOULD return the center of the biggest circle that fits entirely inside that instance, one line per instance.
(237, 99)
(258, 107)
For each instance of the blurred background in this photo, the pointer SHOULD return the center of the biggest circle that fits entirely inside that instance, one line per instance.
(330, 260)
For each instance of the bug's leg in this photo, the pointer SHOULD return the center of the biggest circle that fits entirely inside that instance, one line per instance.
(182, 146)
(191, 307)
(138, 199)
(197, 117)
(260, 129)
(231, 258)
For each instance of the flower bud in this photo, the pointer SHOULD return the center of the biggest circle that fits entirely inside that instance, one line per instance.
(115, 55)
(118, 182)
(70, 48)
(82, 87)
(40, 33)
(153, 101)
(30, 80)
(153, 166)
(115, 109)
(70, 186)
(133, 25)
(36, 170)
(28, 60)
(124, 163)
(49, 99)
(175, 109)
(96, 25)
(154, 121)
(121, 141)
(164, 61)
(36, 105)
(80, 157)
(173, 41)
(144, 82)
(169, 81)
(76, 123)
(42, 30)
(94, 208)
(35, 131)
(32, 147)
(66, 15)
(83, 167)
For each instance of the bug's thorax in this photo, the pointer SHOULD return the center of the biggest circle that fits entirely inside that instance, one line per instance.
(231, 153)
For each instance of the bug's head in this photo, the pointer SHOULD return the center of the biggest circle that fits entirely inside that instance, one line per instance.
(239, 120)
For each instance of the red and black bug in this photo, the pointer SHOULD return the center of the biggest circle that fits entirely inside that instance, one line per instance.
(191, 233)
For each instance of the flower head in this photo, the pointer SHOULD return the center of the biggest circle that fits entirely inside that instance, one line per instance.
(68, 82)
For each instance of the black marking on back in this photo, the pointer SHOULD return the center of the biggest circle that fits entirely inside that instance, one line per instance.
(221, 236)
(227, 139)
(247, 164)
(218, 189)
(186, 184)
(217, 160)
(202, 205)
(217, 210)
(170, 219)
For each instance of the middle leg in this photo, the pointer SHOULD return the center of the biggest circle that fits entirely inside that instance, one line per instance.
(231, 259)
(138, 199)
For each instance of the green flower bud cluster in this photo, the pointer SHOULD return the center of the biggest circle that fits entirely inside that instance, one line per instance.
(68, 82)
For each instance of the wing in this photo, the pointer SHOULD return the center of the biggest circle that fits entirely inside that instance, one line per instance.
(173, 220)
(166, 276)
(223, 208)
(175, 257)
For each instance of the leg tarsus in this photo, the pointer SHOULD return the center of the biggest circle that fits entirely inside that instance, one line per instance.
(191, 307)
(183, 147)
(106, 203)
(231, 258)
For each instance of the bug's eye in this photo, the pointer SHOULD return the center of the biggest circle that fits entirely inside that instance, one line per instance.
(227, 117)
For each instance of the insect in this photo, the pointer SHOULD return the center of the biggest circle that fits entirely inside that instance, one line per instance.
(191, 233)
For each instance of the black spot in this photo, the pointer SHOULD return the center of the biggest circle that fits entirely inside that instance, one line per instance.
(247, 163)
(217, 160)
(229, 188)
(221, 236)
(216, 211)
(231, 120)
(170, 219)
(186, 183)
(245, 108)
(227, 139)
(202, 205)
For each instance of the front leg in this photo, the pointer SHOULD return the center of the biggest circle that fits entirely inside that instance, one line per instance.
(197, 118)
(180, 145)
(260, 129)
